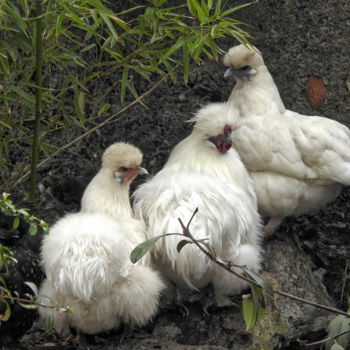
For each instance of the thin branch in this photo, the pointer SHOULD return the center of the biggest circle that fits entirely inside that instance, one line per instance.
(188, 234)
(27, 301)
(227, 267)
(323, 340)
(105, 122)
(320, 306)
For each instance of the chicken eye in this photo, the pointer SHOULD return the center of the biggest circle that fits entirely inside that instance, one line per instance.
(123, 168)
(245, 68)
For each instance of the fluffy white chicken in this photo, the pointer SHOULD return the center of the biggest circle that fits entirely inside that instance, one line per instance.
(86, 255)
(203, 172)
(297, 162)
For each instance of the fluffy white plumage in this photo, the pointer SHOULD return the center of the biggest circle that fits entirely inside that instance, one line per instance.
(297, 162)
(203, 172)
(86, 255)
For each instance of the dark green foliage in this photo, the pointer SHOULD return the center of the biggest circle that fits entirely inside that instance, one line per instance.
(87, 40)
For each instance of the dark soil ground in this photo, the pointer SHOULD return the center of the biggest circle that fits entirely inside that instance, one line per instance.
(298, 38)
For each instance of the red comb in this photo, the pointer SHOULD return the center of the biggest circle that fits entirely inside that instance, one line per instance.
(227, 129)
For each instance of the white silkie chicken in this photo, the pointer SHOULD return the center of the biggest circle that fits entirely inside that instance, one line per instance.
(298, 163)
(203, 172)
(86, 255)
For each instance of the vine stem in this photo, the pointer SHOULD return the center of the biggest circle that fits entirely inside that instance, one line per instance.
(105, 122)
(227, 267)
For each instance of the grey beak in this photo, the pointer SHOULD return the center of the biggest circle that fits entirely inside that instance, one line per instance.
(228, 73)
(142, 171)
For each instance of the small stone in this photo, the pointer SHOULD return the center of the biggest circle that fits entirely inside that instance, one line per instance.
(348, 84)
(182, 97)
(315, 92)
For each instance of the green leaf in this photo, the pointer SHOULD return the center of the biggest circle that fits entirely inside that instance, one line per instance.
(139, 251)
(338, 324)
(33, 229)
(186, 62)
(253, 310)
(5, 316)
(172, 49)
(104, 109)
(124, 83)
(181, 244)
(336, 346)
(191, 7)
(15, 223)
(22, 93)
(110, 25)
(58, 28)
(259, 302)
(218, 7)
(249, 312)
(234, 9)
(143, 248)
(49, 324)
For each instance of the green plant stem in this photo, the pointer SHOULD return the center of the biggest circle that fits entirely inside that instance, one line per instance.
(38, 104)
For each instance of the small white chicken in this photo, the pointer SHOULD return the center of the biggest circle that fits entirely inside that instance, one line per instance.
(86, 255)
(298, 163)
(203, 172)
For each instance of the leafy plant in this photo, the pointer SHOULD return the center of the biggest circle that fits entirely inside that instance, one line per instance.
(9, 209)
(88, 40)
(8, 297)
(339, 330)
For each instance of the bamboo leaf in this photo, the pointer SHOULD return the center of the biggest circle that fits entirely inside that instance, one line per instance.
(28, 97)
(186, 62)
(218, 7)
(124, 83)
(104, 109)
(58, 28)
(172, 49)
(236, 8)
(110, 25)
(191, 6)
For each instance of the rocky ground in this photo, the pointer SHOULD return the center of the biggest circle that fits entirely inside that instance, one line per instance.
(307, 256)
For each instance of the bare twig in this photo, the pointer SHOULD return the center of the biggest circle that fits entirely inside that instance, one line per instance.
(227, 267)
(224, 265)
(320, 306)
(347, 265)
(105, 122)
(323, 340)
